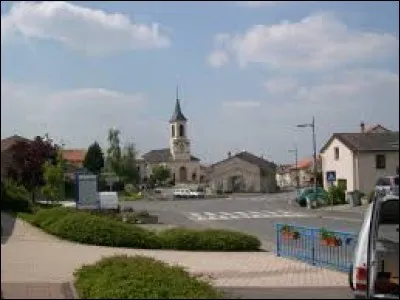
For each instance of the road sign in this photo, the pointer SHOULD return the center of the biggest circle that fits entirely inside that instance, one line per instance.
(331, 176)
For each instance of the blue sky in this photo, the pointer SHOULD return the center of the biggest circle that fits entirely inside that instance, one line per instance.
(248, 72)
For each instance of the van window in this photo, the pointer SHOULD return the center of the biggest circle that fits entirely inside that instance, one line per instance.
(383, 181)
(396, 181)
(389, 212)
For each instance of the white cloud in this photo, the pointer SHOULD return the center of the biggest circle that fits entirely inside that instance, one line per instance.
(85, 29)
(317, 42)
(77, 116)
(218, 58)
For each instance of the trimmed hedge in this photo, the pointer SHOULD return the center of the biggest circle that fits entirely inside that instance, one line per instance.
(15, 198)
(90, 229)
(139, 277)
(208, 240)
(87, 228)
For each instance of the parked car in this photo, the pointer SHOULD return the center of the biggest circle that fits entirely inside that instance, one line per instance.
(375, 270)
(387, 185)
(197, 194)
(182, 193)
(307, 194)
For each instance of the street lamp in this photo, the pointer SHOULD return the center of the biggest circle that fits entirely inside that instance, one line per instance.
(296, 167)
(312, 125)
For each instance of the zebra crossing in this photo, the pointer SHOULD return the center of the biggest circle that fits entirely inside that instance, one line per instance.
(235, 215)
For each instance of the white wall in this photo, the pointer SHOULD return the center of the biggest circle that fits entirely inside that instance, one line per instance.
(344, 166)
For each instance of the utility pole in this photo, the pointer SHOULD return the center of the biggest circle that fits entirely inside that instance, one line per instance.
(315, 170)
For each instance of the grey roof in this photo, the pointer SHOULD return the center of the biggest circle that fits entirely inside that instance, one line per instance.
(364, 142)
(162, 155)
(250, 158)
(178, 115)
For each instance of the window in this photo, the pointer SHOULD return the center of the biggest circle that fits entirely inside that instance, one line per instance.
(336, 149)
(383, 181)
(380, 161)
(173, 130)
(181, 130)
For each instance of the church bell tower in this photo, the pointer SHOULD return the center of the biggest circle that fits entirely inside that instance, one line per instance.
(179, 142)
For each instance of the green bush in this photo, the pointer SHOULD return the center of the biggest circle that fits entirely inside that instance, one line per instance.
(336, 195)
(15, 198)
(83, 227)
(139, 277)
(208, 240)
(89, 228)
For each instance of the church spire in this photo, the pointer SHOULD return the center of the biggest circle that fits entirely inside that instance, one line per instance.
(178, 115)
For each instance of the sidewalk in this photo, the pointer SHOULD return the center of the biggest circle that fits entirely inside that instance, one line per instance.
(31, 256)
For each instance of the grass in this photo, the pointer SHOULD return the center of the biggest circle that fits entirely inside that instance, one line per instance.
(139, 277)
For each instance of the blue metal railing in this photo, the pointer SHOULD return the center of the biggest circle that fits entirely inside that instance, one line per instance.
(309, 247)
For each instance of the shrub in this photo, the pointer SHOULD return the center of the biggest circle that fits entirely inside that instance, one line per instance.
(336, 195)
(139, 277)
(208, 240)
(83, 227)
(15, 198)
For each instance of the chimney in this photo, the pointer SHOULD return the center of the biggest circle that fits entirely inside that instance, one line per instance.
(229, 154)
(362, 127)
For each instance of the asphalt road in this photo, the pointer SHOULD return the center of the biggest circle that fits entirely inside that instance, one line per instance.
(256, 215)
(288, 293)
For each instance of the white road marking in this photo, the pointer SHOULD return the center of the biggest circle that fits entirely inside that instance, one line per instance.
(222, 215)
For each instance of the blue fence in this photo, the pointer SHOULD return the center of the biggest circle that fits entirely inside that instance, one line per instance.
(306, 244)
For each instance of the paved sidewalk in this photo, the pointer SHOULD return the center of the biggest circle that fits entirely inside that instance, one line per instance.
(31, 256)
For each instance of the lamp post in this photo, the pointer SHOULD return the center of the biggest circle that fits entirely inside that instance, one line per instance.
(296, 167)
(312, 125)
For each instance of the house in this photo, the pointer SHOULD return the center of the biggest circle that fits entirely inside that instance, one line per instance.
(7, 153)
(74, 156)
(243, 172)
(284, 176)
(305, 171)
(360, 158)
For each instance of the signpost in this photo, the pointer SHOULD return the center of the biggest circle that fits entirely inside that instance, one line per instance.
(87, 196)
(331, 178)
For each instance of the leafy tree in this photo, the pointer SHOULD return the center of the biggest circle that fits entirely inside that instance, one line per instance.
(94, 159)
(114, 151)
(28, 161)
(161, 173)
(53, 175)
(128, 168)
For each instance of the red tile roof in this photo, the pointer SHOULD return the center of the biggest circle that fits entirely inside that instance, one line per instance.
(74, 155)
(305, 163)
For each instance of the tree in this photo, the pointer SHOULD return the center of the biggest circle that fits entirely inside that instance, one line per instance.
(53, 174)
(161, 173)
(128, 168)
(28, 161)
(94, 159)
(114, 151)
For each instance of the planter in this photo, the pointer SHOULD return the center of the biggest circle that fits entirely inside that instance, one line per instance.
(287, 235)
(330, 242)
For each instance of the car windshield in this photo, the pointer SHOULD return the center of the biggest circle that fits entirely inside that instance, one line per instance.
(396, 180)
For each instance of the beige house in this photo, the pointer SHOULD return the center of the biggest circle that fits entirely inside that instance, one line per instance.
(243, 172)
(184, 167)
(360, 158)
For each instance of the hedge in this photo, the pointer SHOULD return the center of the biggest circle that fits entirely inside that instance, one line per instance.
(88, 228)
(208, 240)
(15, 198)
(139, 277)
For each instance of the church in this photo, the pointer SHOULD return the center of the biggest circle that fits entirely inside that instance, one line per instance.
(184, 167)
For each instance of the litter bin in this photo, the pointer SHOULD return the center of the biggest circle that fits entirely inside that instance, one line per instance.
(354, 198)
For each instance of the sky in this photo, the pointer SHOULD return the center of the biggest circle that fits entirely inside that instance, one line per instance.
(248, 72)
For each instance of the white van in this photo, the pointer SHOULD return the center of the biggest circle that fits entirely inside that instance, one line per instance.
(375, 273)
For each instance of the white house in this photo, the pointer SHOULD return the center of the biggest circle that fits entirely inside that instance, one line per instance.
(360, 158)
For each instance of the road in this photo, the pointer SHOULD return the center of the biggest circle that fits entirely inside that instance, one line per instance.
(288, 293)
(256, 215)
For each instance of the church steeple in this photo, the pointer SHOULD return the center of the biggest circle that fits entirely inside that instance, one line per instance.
(177, 115)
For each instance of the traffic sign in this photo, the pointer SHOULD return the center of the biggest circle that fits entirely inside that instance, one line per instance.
(331, 176)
